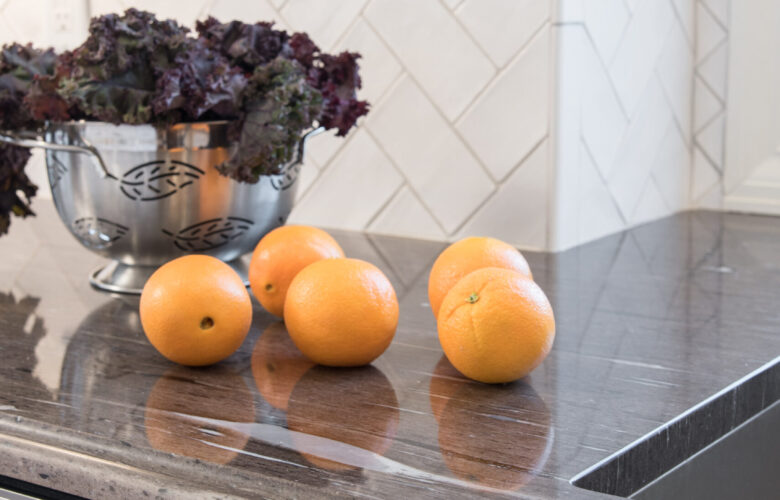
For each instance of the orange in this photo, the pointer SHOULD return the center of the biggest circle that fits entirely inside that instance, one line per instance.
(195, 310)
(357, 407)
(277, 365)
(341, 312)
(188, 412)
(280, 255)
(496, 436)
(496, 325)
(466, 255)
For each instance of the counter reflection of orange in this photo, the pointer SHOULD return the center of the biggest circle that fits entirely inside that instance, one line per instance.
(445, 381)
(179, 401)
(356, 406)
(497, 436)
(277, 365)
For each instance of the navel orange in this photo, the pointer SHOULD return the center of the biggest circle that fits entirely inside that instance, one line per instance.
(341, 312)
(496, 325)
(280, 255)
(466, 255)
(195, 310)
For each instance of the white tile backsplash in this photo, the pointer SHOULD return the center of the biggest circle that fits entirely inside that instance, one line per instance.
(431, 156)
(325, 22)
(511, 117)
(435, 49)
(364, 175)
(502, 27)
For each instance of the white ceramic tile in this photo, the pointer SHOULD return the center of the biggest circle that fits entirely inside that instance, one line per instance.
(709, 32)
(639, 147)
(705, 105)
(671, 170)
(324, 21)
(686, 15)
(651, 205)
(711, 138)
(572, 42)
(675, 71)
(636, 55)
(406, 216)
(101, 7)
(7, 34)
(632, 5)
(713, 70)
(720, 8)
(596, 213)
(606, 22)
(502, 27)
(277, 3)
(434, 48)
(184, 13)
(248, 12)
(321, 148)
(516, 212)
(431, 156)
(713, 199)
(352, 189)
(308, 174)
(27, 22)
(378, 66)
(511, 117)
(704, 176)
(603, 120)
(568, 11)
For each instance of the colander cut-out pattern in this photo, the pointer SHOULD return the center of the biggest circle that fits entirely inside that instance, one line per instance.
(287, 178)
(209, 234)
(97, 232)
(158, 179)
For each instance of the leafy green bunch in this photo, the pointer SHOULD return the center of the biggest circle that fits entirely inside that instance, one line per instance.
(136, 69)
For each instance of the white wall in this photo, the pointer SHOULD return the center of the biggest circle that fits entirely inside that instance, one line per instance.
(623, 121)
(752, 169)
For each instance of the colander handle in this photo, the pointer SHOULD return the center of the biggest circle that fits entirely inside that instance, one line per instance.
(32, 140)
(302, 144)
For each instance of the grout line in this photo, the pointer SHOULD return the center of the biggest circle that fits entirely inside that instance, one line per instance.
(503, 71)
(698, 144)
(700, 60)
(435, 106)
(605, 68)
(603, 179)
(669, 103)
(709, 87)
(462, 26)
(506, 177)
(715, 17)
(386, 203)
(340, 39)
(407, 182)
(690, 41)
(695, 132)
(522, 160)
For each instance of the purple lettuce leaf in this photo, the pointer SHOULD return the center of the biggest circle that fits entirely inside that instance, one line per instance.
(278, 106)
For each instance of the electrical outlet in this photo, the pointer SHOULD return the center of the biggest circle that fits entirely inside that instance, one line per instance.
(67, 23)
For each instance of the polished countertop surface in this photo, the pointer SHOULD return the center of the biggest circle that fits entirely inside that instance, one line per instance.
(649, 323)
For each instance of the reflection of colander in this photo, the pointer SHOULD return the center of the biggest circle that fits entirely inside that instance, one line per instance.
(142, 195)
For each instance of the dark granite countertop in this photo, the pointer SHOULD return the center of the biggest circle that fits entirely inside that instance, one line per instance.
(649, 323)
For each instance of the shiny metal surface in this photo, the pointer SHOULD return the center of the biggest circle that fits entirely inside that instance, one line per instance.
(162, 196)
